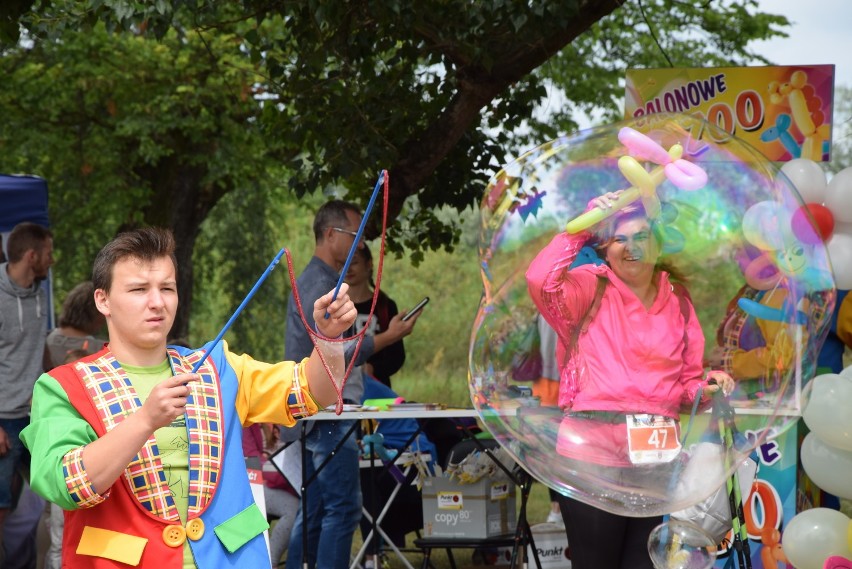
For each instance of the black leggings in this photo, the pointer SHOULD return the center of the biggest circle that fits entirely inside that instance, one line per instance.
(600, 540)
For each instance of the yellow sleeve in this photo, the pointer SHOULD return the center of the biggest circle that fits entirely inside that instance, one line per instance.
(780, 345)
(844, 321)
(271, 393)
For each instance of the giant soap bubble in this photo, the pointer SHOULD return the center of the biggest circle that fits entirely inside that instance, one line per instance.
(681, 545)
(721, 216)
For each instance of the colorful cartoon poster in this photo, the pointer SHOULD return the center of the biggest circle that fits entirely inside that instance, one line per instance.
(773, 499)
(784, 112)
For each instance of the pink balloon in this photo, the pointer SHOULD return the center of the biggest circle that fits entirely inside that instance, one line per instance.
(837, 562)
(686, 175)
(756, 268)
(642, 147)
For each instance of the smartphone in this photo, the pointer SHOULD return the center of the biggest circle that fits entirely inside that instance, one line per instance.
(416, 309)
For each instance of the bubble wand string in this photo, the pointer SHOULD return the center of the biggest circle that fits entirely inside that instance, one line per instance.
(240, 308)
(357, 237)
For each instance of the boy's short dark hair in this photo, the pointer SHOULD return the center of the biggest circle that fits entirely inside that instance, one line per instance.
(145, 244)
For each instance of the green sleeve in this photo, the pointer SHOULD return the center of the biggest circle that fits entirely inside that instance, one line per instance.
(55, 429)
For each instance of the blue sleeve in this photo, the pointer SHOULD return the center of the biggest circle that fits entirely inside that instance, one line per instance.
(374, 389)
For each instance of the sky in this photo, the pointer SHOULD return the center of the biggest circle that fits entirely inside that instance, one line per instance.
(820, 32)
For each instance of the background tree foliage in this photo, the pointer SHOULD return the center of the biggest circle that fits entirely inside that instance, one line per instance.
(153, 112)
(131, 131)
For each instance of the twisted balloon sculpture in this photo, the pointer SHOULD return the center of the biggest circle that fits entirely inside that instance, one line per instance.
(670, 164)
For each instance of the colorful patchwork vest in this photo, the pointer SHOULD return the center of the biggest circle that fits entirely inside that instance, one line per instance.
(136, 523)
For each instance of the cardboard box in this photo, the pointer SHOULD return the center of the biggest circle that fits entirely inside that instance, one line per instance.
(552, 545)
(484, 508)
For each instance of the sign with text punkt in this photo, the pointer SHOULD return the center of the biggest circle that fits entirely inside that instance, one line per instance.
(551, 544)
(783, 111)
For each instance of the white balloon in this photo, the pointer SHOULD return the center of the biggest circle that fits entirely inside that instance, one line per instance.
(814, 535)
(827, 411)
(767, 225)
(840, 227)
(839, 249)
(847, 372)
(838, 196)
(830, 468)
(808, 178)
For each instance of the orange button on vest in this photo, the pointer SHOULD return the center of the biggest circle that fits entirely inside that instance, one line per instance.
(195, 529)
(174, 536)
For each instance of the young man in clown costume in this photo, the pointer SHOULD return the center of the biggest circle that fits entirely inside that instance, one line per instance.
(145, 456)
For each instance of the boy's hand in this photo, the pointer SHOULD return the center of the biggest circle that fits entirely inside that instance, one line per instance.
(341, 313)
(168, 400)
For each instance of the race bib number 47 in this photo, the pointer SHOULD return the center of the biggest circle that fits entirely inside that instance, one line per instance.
(652, 439)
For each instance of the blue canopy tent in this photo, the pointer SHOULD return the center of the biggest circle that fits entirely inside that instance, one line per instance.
(24, 198)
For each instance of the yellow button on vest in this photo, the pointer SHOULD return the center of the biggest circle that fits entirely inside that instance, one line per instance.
(195, 529)
(174, 536)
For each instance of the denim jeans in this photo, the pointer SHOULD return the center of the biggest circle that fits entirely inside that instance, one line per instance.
(334, 500)
(11, 462)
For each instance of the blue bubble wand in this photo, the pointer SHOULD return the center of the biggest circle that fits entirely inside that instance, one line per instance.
(357, 237)
(240, 308)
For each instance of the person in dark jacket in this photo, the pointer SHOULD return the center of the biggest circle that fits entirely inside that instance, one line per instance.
(386, 326)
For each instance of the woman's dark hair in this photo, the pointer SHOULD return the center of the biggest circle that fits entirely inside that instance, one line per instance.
(367, 255)
(79, 310)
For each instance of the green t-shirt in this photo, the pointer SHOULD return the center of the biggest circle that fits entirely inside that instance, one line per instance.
(172, 442)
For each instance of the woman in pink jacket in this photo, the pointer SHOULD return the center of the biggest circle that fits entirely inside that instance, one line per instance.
(630, 356)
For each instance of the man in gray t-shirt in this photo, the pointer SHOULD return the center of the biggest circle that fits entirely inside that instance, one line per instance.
(334, 498)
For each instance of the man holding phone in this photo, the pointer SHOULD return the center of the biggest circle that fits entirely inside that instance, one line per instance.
(334, 498)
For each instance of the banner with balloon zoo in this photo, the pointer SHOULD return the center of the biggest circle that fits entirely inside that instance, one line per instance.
(782, 111)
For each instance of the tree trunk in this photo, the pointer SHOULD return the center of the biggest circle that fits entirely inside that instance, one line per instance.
(181, 203)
